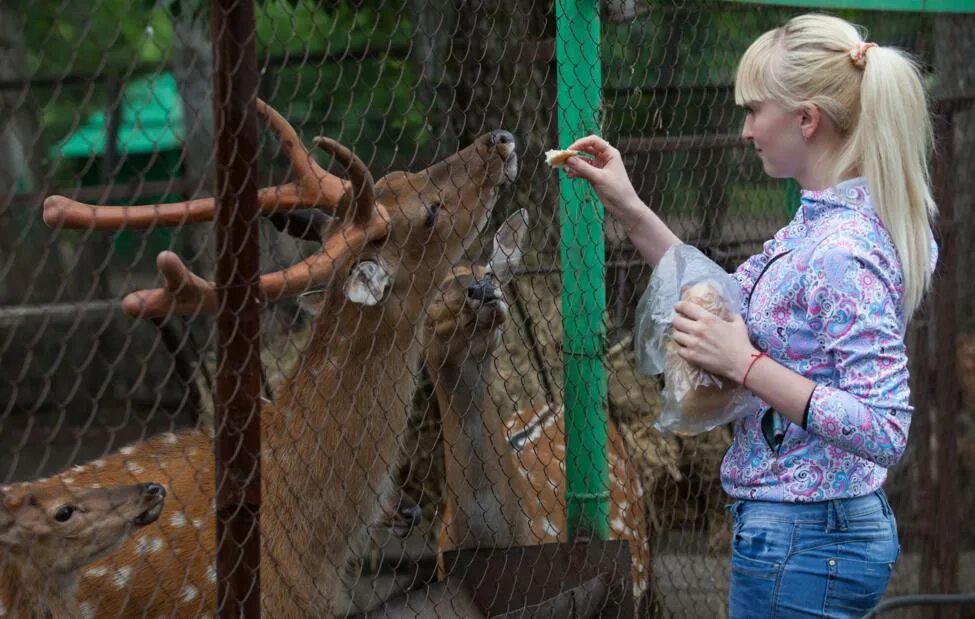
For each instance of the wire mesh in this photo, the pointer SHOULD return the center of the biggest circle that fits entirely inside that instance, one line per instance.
(378, 446)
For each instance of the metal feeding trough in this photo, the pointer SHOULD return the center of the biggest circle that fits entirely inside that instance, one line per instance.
(582, 578)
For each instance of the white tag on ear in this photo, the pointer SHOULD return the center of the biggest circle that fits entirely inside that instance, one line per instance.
(367, 284)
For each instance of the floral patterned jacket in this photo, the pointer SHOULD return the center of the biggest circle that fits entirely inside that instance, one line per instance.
(824, 298)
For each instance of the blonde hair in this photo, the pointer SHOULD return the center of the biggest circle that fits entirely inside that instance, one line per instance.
(875, 98)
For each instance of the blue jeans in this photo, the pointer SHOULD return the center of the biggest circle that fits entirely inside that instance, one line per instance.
(827, 559)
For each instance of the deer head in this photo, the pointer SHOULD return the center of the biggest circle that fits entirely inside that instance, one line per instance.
(60, 530)
(445, 205)
(467, 316)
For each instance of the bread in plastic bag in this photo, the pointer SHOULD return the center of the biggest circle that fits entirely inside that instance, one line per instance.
(693, 400)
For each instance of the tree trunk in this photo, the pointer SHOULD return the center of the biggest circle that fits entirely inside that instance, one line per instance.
(193, 70)
(954, 48)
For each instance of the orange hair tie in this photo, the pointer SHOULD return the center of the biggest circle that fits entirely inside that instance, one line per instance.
(859, 53)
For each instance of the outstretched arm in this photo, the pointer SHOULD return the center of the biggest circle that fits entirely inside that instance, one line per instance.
(607, 175)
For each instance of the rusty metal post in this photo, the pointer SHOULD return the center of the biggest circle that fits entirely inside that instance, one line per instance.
(238, 390)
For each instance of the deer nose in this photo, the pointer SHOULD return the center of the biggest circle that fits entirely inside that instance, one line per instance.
(501, 137)
(483, 290)
(153, 489)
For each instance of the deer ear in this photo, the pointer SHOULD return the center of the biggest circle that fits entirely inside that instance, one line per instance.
(5, 515)
(509, 246)
(311, 302)
(368, 283)
(8, 532)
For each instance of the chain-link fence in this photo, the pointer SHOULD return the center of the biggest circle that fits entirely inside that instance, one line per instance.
(402, 424)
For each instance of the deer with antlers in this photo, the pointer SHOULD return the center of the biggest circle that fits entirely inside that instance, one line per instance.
(335, 420)
(51, 528)
(506, 478)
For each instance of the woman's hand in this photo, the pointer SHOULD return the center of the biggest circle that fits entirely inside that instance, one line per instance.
(608, 177)
(712, 343)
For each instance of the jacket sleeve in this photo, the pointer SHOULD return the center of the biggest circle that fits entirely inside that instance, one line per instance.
(853, 309)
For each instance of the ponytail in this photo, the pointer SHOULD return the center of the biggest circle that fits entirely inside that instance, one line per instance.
(890, 145)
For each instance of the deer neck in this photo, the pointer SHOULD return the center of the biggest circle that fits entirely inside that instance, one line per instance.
(482, 477)
(27, 592)
(329, 441)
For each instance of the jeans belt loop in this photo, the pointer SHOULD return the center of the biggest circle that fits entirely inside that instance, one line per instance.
(842, 521)
(884, 503)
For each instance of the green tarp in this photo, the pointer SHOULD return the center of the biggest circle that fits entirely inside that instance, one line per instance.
(151, 120)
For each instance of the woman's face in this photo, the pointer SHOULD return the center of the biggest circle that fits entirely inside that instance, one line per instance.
(776, 134)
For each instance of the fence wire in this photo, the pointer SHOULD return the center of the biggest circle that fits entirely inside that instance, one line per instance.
(412, 402)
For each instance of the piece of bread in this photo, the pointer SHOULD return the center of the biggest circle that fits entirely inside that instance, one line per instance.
(701, 404)
(557, 158)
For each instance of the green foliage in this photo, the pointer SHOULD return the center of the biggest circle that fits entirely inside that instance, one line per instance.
(369, 104)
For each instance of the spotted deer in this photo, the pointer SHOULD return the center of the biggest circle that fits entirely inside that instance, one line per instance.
(51, 528)
(330, 432)
(506, 478)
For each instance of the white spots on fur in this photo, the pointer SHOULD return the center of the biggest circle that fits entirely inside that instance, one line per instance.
(212, 573)
(97, 572)
(188, 593)
(134, 468)
(550, 528)
(87, 610)
(127, 451)
(121, 576)
(77, 469)
(148, 545)
(169, 438)
(177, 520)
(618, 526)
(67, 481)
(197, 523)
(98, 464)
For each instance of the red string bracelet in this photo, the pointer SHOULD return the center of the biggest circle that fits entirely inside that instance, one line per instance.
(755, 357)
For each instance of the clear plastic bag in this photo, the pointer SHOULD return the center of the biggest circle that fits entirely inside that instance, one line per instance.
(693, 400)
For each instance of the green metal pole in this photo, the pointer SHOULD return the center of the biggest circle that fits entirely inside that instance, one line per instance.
(583, 280)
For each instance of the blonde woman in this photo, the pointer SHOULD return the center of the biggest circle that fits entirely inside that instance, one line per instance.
(821, 338)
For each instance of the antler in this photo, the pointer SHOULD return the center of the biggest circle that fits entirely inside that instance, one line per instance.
(313, 187)
(187, 293)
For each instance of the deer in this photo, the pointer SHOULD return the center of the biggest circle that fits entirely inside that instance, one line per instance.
(505, 478)
(50, 529)
(342, 408)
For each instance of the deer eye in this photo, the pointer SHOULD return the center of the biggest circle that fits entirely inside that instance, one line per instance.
(432, 211)
(64, 513)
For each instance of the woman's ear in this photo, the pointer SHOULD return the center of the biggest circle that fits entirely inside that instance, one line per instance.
(810, 118)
